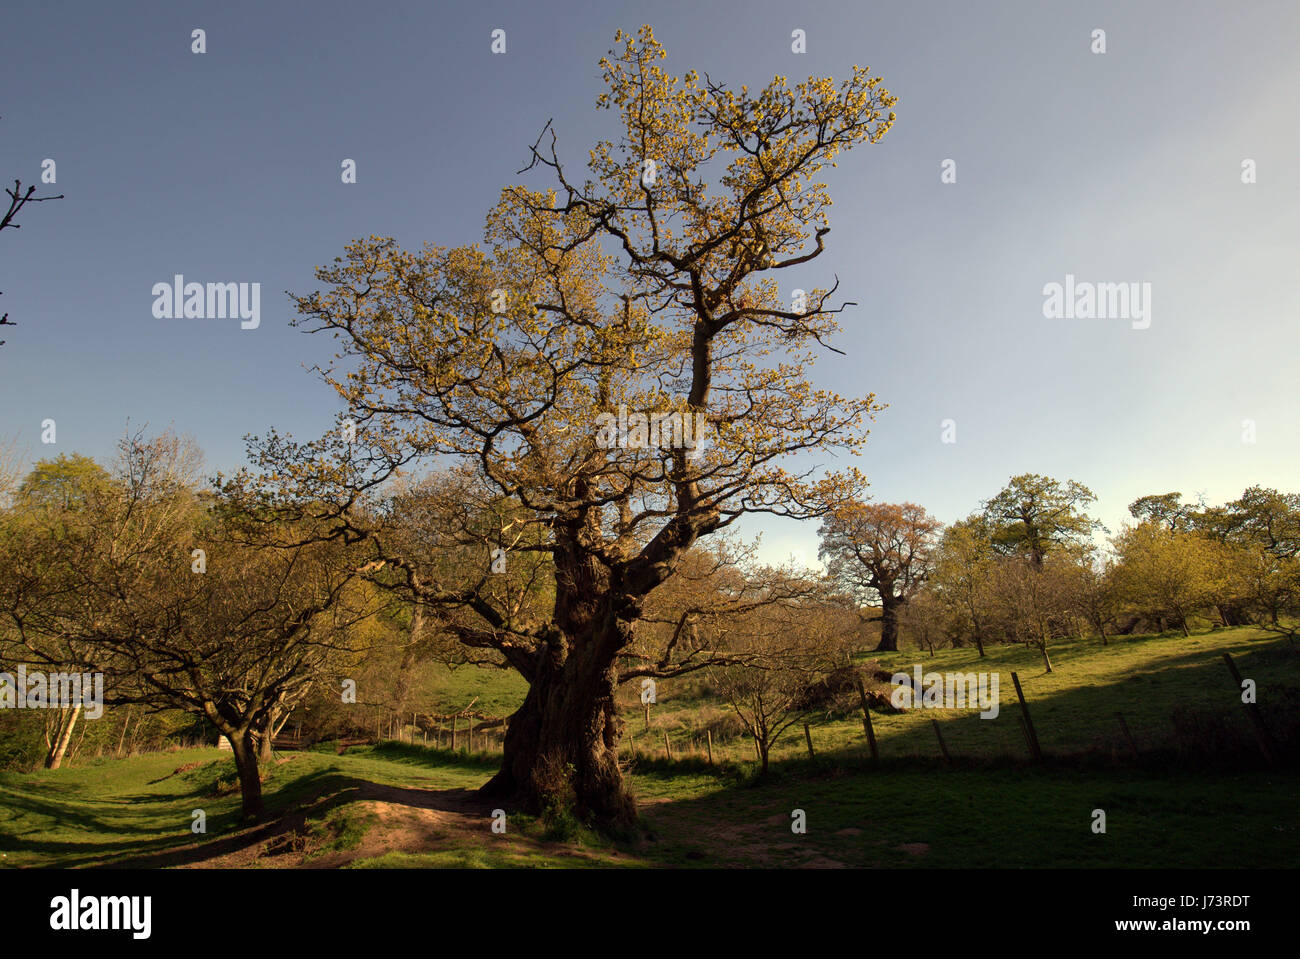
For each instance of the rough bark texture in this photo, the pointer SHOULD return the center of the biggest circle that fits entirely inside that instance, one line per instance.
(561, 747)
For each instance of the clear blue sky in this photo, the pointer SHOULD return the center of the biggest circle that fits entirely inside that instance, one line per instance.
(1119, 167)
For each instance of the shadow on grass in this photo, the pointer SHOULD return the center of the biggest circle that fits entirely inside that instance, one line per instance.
(310, 797)
(1182, 710)
(909, 809)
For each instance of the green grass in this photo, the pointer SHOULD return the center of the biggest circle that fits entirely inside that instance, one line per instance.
(117, 809)
(989, 818)
(498, 691)
(341, 829)
(1146, 678)
(896, 817)
(111, 808)
(991, 809)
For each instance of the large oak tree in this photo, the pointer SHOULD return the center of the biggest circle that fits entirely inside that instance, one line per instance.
(647, 286)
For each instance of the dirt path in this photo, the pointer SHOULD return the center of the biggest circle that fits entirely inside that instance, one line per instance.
(397, 819)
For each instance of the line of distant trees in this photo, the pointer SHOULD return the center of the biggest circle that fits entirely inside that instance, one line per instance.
(1026, 567)
(207, 607)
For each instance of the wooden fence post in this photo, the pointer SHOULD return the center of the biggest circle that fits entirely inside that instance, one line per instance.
(453, 733)
(943, 746)
(1024, 731)
(1031, 735)
(1256, 718)
(808, 736)
(866, 720)
(668, 748)
(708, 738)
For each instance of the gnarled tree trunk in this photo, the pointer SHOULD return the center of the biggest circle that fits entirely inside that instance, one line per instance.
(561, 747)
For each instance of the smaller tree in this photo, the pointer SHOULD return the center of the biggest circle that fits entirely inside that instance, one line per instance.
(1272, 585)
(1263, 555)
(1164, 573)
(880, 550)
(1234, 572)
(173, 606)
(1036, 599)
(925, 619)
(775, 656)
(1093, 591)
(963, 575)
(1035, 514)
(56, 497)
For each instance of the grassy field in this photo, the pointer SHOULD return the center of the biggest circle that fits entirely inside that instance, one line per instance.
(399, 805)
(1148, 679)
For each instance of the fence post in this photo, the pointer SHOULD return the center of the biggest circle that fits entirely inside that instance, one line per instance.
(1256, 718)
(453, 733)
(943, 746)
(1031, 735)
(866, 719)
(1024, 731)
(668, 748)
(808, 736)
(708, 734)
